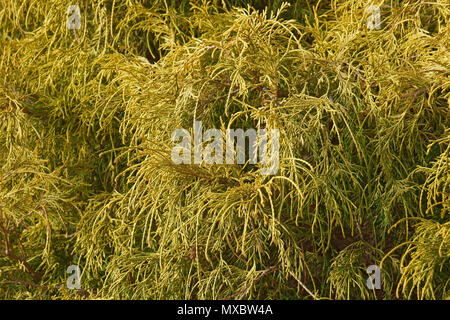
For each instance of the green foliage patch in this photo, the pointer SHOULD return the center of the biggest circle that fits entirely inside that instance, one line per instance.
(86, 177)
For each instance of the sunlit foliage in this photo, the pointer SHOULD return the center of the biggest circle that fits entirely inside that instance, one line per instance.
(86, 178)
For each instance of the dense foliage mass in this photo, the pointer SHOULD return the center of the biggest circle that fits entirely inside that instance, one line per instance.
(86, 176)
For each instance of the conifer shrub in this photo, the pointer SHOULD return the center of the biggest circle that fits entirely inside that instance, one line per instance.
(87, 179)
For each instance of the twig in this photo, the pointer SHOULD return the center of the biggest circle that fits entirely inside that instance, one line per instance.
(303, 286)
(244, 291)
(12, 256)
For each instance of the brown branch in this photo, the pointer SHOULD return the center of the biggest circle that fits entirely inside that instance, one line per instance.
(303, 286)
(245, 290)
(12, 256)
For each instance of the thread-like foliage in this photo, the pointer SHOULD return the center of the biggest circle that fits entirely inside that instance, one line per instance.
(86, 176)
